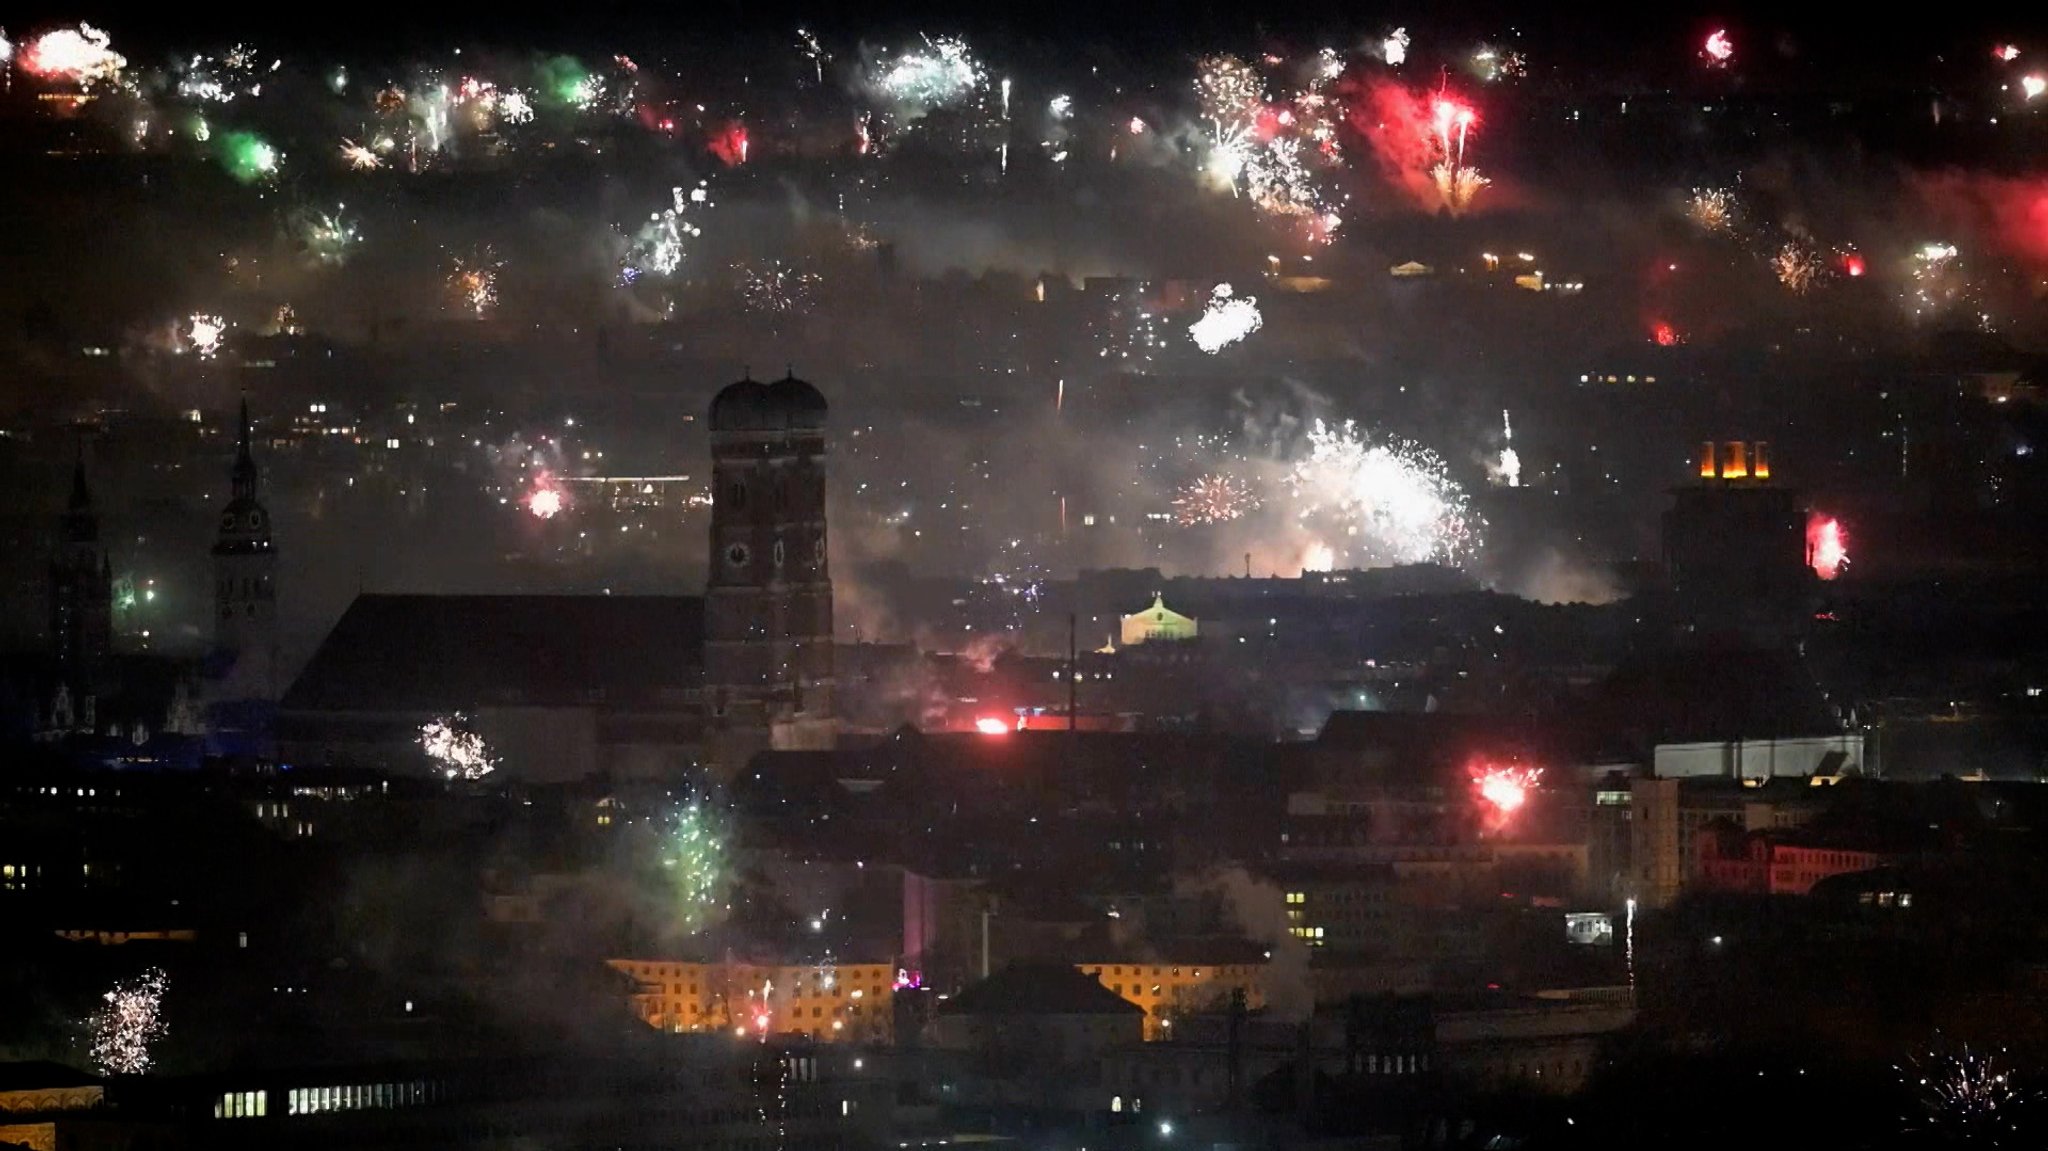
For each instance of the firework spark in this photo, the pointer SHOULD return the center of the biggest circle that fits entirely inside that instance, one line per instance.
(1718, 50)
(1227, 320)
(1451, 122)
(2032, 85)
(545, 502)
(473, 282)
(329, 237)
(1393, 501)
(2005, 53)
(1827, 546)
(1213, 499)
(697, 858)
(777, 289)
(944, 72)
(204, 334)
(248, 157)
(80, 55)
(456, 751)
(807, 43)
(1797, 267)
(359, 158)
(1713, 209)
(1964, 1097)
(1509, 468)
(130, 1018)
(658, 248)
(1503, 790)
(1394, 49)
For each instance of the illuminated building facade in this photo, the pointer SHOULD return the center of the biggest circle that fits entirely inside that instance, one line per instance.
(1157, 623)
(768, 673)
(1165, 990)
(849, 1002)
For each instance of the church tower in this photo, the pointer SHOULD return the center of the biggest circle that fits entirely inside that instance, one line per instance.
(245, 584)
(768, 604)
(81, 594)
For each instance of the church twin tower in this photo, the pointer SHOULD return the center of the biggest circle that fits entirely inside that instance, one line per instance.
(768, 597)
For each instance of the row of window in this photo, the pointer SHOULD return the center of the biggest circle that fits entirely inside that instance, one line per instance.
(318, 1100)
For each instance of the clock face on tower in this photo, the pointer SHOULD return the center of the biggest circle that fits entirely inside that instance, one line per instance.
(738, 554)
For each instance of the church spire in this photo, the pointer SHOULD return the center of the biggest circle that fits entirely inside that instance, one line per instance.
(81, 495)
(243, 476)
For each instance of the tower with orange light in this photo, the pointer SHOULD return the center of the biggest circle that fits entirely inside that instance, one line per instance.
(1735, 541)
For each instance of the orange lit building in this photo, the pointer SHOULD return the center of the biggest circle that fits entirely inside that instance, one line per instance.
(1735, 541)
(1165, 989)
(847, 1001)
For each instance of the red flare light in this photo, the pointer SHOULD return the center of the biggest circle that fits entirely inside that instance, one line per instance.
(1827, 546)
(991, 725)
(1503, 791)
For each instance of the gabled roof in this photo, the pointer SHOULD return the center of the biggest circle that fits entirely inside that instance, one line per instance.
(415, 653)
(1039, 989)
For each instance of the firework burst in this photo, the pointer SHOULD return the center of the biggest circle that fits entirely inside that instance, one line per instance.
(457, 752)
(661, 243)
(698, 861)
(1965, 1098)
(1797, 267)
(1227, 320)
(473, 282)
(204, 334)
(1392, 502)
(942, 73)
(129, 1020)
(359, 158)
(1213, 499)
(1713, 209)
(81, 56)
(1827, 546)
(1451, 122)
(777, 289)
(1503, 790)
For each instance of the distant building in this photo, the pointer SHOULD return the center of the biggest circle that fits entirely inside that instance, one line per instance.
(768, 601)
(1735, 543)
(1767, 863)
(1670, 818)
(1155, 624)
(81, 600)
(841, 1002)
(1165, 987)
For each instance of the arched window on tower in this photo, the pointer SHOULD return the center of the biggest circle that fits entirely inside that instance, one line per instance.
(736, 495)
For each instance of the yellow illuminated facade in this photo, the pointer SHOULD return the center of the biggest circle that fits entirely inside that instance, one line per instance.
(1157, 623)
(848, 1001)
(1164, 990)
(1735, 460)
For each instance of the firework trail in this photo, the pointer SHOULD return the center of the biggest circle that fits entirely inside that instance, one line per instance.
(1391, 502)
(457, 752)
(1227, 320)
(1419, 141)
(1509, 469)
(1213, 499)
(129, 1020)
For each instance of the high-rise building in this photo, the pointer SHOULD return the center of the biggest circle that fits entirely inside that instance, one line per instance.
(1735, 544)
(768, 677)
(245, 585)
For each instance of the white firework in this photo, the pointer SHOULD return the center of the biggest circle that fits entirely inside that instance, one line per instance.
(942, 73)
(204, 334)
(1391, 502)
(1227, 320)
(130, 1018)
(456, 751)
(660, 245)
(1394, 49)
